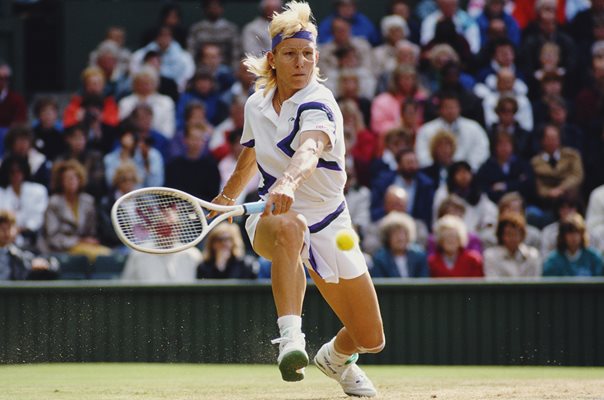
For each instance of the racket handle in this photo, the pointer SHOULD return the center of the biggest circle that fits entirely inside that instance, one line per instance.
(254, 208)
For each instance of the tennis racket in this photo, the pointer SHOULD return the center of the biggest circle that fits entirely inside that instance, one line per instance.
(161, 220)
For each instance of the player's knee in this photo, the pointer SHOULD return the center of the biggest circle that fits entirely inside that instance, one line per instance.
(372, 344)
(289, 232)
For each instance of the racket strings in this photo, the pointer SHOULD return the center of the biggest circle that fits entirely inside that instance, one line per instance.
(159, 221)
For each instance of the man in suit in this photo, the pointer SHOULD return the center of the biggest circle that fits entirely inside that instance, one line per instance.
(558, 170)
(419, 188)
(16, 263)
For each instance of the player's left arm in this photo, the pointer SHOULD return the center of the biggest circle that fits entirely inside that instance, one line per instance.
(302, 165)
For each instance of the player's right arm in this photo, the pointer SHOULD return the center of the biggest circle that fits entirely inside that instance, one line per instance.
(245, 170)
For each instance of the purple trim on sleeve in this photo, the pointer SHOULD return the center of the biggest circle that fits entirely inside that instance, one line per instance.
(298, 35)
(267, 181)
(317, 227)
(285, 144)
(250, 143)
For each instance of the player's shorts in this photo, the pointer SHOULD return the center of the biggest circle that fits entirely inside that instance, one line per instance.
(320, 252)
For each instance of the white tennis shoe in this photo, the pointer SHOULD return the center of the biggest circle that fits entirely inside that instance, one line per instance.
(352, 378)
(292, 356)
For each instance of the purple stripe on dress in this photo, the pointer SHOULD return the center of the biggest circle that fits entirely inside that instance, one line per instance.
(319, 226)
(267, 181)
(286, 144)
(249, 144)
(298, 35)
(312, 261)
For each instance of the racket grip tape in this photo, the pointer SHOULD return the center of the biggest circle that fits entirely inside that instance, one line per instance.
(254, 208)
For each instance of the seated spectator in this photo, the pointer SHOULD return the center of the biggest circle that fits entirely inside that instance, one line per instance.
(472, 140)
(19, 264)
(395, 141)
(481, 213)
(209, 56)
(214, 28)
(594, 218)
(549, 63)
(27, 200)
(141, 120)
(564, 206)
(19, 142)
(558, 170)
(511, 257)
(451, 258)
(386, 107)
(570, 134)
(13, 108)
(545, 29)
(195, 114)
(202, 88)
(453, 82)
(70, 221)
(99, 135)
(398, 257)
(169, 16)
(113, 59)
(419, 187)
(48, 133)
(348, 60)
(167, 86)
(572, 256)
(495, 9)
(523, 143)
(442, 147)
(361, 26)
(133, 149)
(550, 87)
(224, 255)
(125, 180)
(90, 158)
(115, 36)
(93, 86)
(243, 86)
(456, 206)
(502, 54)
(394, 29)
(513, 202)
(349, 89)
(361, 144)
(402, 8)
(194, 163)
(342, 38)
(144, 85)
(176, 63)
(504, 172)
(395, 200)
(218, 139)
(255, 38)
(505, 86)
(464, 24)
(445, 34)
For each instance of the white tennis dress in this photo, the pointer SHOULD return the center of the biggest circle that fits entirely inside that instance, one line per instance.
(320, 199)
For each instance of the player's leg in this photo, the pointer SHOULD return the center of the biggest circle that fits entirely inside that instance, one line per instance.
(280, 239)
(355, 302)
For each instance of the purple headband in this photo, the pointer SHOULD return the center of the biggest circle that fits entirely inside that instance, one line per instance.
(298, 35)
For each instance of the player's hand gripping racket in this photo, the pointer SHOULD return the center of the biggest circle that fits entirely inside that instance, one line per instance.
(162, 220)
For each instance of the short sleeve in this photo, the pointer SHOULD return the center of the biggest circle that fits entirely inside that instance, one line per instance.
(317, 116)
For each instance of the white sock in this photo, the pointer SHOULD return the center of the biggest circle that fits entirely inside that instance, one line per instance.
(289, 324)
(336, 357)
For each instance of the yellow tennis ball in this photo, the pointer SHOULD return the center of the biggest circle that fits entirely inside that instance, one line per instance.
(346, 239)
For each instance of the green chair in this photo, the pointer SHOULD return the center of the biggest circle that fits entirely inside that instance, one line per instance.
(73, 266)
(108, 267)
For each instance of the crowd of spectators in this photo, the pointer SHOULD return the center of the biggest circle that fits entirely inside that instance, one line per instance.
(475, 139)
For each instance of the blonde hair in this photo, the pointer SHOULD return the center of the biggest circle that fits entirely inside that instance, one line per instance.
(60, 167)
(349, 106)
(124, 171)
(296, 16)
(452, 222)
(224, 228)
(90, 72)
(397, 220)
(442, 135)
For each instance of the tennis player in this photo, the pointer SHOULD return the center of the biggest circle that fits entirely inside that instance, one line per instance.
(293, 135)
